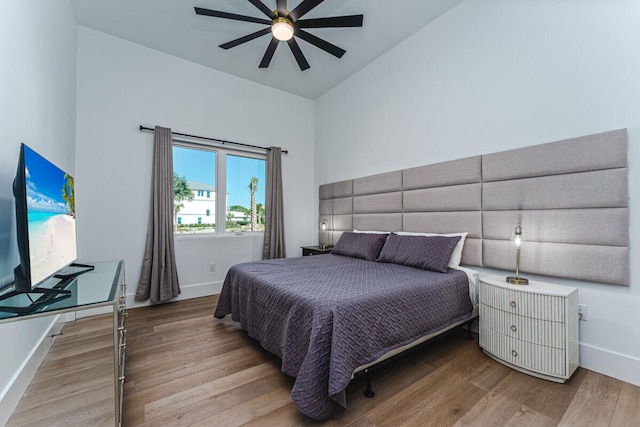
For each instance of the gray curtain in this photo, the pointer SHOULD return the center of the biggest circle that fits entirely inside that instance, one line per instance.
(158, 276)
(274, 215)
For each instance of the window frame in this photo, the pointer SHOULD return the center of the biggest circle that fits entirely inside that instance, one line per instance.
(221, 186)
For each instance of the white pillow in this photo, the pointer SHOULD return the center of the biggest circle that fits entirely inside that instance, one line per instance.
(371, 231)
(456, 255)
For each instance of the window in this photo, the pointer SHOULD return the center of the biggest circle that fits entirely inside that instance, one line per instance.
(194, 172)
(201, 173)
(245, 193)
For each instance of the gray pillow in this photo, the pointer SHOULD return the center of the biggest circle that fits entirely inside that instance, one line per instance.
(359, 245)
(428, 253)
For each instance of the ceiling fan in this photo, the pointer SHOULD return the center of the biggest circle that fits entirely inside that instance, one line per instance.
(284, 24)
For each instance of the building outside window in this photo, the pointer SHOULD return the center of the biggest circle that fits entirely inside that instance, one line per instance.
(201, 173)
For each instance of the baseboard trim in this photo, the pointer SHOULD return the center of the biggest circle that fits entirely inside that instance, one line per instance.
(187, 292)
(607, 362)
(27, 371)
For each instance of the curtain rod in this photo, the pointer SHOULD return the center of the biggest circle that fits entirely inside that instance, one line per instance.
(222, 141)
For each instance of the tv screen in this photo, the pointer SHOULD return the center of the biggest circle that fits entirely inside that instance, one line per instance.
(45, 217)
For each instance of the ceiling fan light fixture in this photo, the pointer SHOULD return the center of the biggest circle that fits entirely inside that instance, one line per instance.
(282, 29)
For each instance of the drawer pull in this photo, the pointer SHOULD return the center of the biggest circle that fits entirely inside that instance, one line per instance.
(513, 328)
(512, 304)
(514, 353)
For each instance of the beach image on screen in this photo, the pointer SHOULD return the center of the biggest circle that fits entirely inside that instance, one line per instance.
(51, 217)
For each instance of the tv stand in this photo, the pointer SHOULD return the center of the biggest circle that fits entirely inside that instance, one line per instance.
(102, 287)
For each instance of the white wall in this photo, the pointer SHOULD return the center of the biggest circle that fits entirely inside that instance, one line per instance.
(121, 86)
(37, 107)
(496, 75)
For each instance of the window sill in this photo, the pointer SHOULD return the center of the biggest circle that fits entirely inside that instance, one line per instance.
(225, 235)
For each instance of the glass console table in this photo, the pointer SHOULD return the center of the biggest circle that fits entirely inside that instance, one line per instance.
(101, 287)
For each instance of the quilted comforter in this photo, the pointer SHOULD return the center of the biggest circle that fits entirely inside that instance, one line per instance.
(326, 315)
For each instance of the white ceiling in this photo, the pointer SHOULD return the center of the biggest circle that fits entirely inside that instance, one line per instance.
(171, 26)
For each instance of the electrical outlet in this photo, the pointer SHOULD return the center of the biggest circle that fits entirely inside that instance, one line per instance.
(212, 267)
(583, 312)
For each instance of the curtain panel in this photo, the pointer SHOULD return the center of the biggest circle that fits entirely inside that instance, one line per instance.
(159, 277)
(274, 215)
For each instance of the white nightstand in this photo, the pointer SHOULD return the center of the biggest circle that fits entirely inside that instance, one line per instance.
(531, 328)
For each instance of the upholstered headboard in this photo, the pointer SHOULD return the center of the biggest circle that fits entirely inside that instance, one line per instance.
(570, 197)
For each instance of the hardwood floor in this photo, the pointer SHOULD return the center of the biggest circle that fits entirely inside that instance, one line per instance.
(185, 368)
(74, 385)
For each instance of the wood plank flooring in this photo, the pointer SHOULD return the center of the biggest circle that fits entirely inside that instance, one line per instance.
(185, 368)
(74, 385)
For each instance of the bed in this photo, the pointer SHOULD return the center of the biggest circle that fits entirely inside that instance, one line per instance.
(330, 316)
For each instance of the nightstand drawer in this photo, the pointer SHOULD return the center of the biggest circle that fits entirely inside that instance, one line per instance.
(523, 303)
(537, 358)
(535, 331)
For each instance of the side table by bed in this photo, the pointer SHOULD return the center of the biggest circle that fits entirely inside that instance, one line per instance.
(315, 250)
(531, 328)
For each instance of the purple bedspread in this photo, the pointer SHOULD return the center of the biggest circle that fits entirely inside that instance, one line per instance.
(326, 315)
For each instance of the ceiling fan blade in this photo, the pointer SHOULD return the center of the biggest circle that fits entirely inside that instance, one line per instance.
(303, 8)
(332, 22)
(322, 44)
(281, 6)
(266, 59)
(226, 15)
(263, 8)
(249, 37)
(297, 53)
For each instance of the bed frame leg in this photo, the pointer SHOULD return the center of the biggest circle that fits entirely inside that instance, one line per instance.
(469, 335)
(368, 392)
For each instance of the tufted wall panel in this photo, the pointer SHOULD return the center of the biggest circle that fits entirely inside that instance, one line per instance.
(570, 196)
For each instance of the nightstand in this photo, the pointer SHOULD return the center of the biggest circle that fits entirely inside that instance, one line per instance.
(315, 250)
(531, 328)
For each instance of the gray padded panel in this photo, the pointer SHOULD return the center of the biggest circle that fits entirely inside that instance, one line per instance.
(444, 222)
(472, 252)
(343, 206)
(608, 227)
(454, 172)
(604, 264)
(336, 190)
(607, 150)
(375, 184)
(343, 222)
(378, 203)
(378, 222)
(571, 198)
(606, 188)
(325, 207)
(453, 198)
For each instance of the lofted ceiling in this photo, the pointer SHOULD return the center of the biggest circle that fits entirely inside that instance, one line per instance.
(171, 26)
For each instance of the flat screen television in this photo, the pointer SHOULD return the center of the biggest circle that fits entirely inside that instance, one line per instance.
(45, 224)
